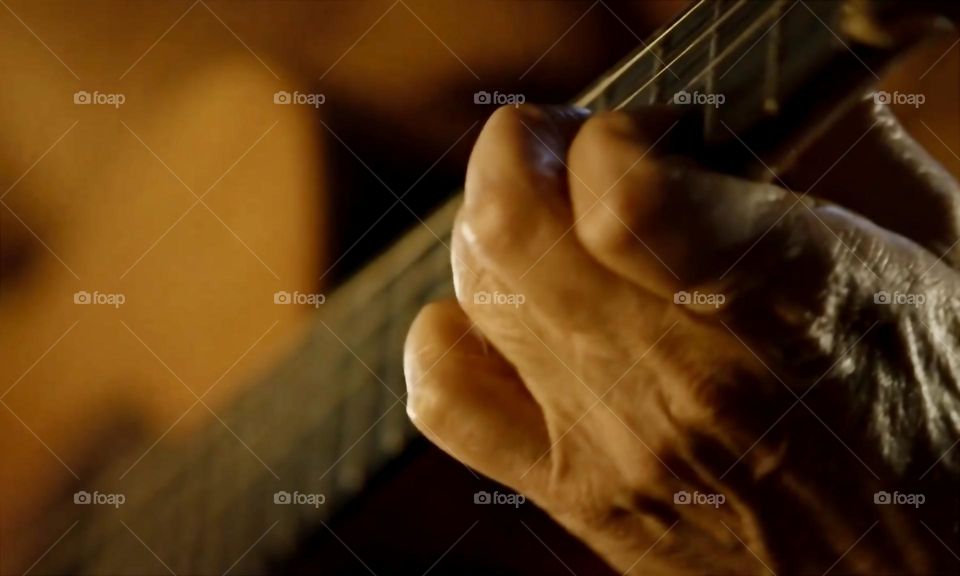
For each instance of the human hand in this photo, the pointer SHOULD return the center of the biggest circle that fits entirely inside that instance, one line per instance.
(697, 373)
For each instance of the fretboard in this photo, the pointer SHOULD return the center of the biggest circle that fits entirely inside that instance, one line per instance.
(333, 413)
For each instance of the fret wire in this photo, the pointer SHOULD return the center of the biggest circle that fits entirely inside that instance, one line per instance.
(690, 47)
(771, 101)
(710, 116)
(769, 14)
(710, 82)
(657, 68)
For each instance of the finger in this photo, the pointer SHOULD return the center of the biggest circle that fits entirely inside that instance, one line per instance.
(470, 402)
(661, 222)
(871, 165)
(516, 221)
(783, 274)
(718, 241)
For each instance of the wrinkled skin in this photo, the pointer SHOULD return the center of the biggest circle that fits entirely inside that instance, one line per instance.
(797, 399)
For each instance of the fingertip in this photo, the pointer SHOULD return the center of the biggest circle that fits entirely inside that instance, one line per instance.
(468, 400)
(670, 226)
(436, 329)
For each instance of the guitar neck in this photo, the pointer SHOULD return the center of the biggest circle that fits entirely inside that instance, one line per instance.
(333, 413)
(763, 78)
(326, 419)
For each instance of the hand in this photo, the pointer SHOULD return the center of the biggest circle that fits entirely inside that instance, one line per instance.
(696, 373)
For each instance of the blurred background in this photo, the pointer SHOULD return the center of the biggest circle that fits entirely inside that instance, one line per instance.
(158, 193)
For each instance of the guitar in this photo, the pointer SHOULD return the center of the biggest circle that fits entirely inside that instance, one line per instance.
(302, 443)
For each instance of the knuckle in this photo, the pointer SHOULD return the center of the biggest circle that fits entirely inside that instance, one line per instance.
(626, 213)
(426, 321)
(426, 339)
(618, 193)
(602, 130)
(502, 181)
(425, 348)
(496, 226)
(609, 140)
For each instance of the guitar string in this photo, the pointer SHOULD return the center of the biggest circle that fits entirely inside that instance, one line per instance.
(768, 15)
(603, 85)
(716, 24)
(595, 92)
